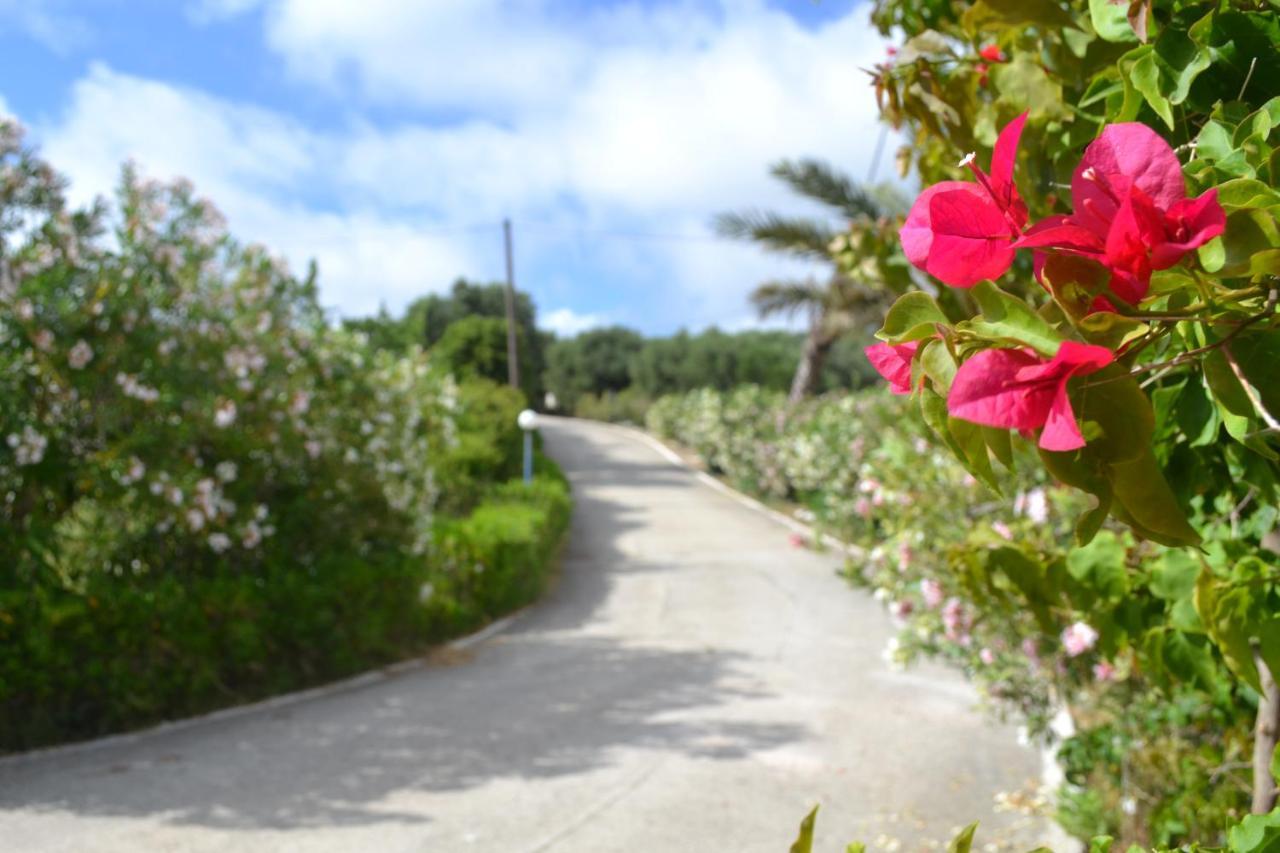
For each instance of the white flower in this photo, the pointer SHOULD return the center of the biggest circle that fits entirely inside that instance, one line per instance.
(135, 472)
(1078, 639)
(425, 592)
(1037, 506)
(195, 519)
(80, 355)
(219, 542)
(225, 414)
(25, 311)
(313, 449)
(251, 536)
(226, 471)
(29, 447)
(43, 340)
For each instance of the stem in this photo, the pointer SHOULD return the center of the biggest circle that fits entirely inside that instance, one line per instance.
(1191, 355)
(1264, 738)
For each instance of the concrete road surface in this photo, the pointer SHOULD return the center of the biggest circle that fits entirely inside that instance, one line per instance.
(692, 683)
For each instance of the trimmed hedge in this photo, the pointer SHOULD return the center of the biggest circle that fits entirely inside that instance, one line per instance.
(119, 655)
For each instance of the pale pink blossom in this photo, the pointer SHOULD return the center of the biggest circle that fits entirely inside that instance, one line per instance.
(1104, 671)
(1002, 530)
(932, 592)
(987, 656)
(80, 355)
(1078, 638)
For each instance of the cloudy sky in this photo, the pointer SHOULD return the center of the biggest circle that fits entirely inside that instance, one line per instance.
(389, 138)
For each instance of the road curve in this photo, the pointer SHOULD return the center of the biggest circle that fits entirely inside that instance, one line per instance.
(692, 683)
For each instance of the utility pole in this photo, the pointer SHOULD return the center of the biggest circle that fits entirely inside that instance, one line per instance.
(513, 366)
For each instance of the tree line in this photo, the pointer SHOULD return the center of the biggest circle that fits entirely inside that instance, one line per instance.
(465, 329)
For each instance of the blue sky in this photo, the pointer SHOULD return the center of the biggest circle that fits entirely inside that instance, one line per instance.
(388, 138)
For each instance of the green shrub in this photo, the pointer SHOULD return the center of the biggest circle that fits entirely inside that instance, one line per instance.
(628, 406)
(207, 493)
(125, 652)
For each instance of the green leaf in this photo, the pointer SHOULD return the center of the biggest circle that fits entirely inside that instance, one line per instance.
(1084, 472)
(936, 362)
(1007, 318)
(1100, 844)
(962, 842)
(1212, 255)
(1110, 330)
(1248, 233)
(804, 841)
(1015, 13)
(1257, 356)
(969, 437)
(913, 317)
(1149, 505)
(856, 847)
(1111, 21)
(1117, 418)
(1001, 444)
(1226, 632)
(1239, 415)
(1100, 567)
(1173, 575)
(1146, 79)
(1024, 85)
(1245, 192)
(1259, 833)
(1031, 580)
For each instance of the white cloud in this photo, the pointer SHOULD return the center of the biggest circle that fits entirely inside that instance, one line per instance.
(46, 22)
(253, 164)
(622, 119)
(567, 323)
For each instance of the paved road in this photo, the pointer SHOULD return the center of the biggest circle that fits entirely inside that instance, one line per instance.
(693, 683)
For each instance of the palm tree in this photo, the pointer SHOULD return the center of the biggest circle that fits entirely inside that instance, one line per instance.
(841, 303)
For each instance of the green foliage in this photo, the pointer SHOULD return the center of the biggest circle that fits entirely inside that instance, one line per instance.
(596, 362)
(426, 321)
(209, 494)
(628, 406)
(119, 653)
(997, 589)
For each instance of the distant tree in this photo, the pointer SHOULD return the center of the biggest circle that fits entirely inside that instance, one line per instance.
(595, 362)
(474, 346)
(840, 304)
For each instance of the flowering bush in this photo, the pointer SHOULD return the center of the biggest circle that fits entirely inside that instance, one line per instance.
(1160, 731)
(1132, 338)
(194, 463)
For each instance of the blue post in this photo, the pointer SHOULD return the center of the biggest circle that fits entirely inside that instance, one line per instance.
(528, 456)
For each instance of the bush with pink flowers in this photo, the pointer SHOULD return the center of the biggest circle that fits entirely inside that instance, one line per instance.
(209, 493)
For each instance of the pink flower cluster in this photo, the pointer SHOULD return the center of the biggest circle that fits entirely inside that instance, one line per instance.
(1131, 217)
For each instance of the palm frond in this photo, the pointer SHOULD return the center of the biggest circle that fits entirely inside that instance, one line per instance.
(786, 297)
(805, 238)
(824, 183)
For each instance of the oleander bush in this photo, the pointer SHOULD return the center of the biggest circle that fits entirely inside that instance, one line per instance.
(207, 492)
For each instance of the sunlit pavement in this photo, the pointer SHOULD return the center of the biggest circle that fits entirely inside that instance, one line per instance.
(692, 683)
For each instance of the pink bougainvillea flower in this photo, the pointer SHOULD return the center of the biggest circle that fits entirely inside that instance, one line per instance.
(993, 53)
(1131, 212)
(1018, 389)
(963, 233)
(893, 362)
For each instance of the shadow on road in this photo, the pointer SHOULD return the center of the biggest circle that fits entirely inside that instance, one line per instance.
(546, 699)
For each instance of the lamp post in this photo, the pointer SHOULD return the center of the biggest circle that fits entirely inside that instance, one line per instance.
(528, 421)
